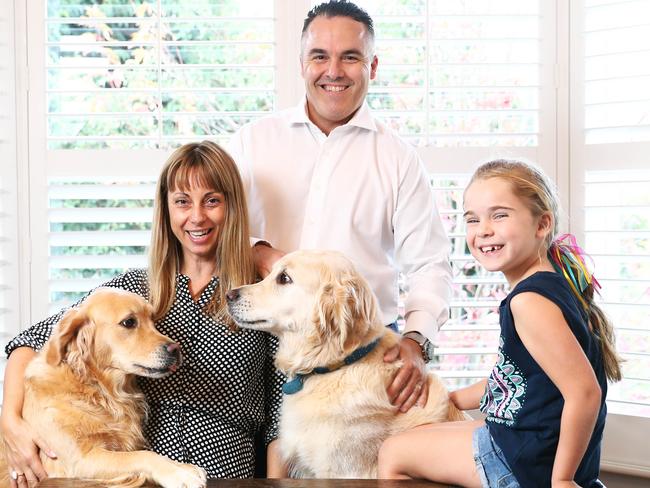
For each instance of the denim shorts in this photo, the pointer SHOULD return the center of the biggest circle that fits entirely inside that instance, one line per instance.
(491, 464)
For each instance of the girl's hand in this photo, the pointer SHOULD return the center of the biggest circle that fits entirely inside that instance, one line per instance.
(22, 447)
(565, 484)
(468, 398)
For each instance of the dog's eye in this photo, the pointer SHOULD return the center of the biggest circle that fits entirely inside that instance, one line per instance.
(129, 322)
(283, 279)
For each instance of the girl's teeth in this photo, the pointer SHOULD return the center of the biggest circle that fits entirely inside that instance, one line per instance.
(199, 233)
(490, 248)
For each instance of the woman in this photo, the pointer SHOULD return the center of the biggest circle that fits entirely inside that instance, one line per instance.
(227, 391)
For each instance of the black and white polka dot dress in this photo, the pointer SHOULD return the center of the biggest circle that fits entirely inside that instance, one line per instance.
(226, 391)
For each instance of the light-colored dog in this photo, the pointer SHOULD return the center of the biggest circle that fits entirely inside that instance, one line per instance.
(335, 412)
(81, 397)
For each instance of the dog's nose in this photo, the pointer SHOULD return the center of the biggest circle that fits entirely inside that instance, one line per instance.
(174, 352)
(232, 295)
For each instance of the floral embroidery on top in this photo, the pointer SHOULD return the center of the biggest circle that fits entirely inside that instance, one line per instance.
(505, 391)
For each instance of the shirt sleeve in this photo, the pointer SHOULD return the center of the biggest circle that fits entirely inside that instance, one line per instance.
(37, 335)
(236, 147)
(421, 251)
(274, 381)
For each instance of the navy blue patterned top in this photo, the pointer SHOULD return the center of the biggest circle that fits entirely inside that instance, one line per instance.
(522, 404)
(227, 390)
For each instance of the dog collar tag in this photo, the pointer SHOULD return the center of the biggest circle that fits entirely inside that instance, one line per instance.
(293, 386)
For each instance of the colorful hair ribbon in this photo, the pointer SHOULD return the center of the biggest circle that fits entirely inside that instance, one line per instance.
(568, 258)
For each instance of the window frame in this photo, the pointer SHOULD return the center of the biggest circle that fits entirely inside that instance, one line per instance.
(16, 202)
(17, 148)
(625, 447)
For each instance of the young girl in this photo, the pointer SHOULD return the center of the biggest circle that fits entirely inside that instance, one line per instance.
(545, 398)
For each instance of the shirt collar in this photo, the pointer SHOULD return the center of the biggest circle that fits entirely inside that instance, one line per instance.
(362, 118)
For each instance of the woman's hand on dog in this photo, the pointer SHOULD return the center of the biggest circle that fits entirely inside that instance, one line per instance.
(22, 452)
(410, 385)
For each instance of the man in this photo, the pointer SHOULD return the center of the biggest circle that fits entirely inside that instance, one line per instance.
(327, 174)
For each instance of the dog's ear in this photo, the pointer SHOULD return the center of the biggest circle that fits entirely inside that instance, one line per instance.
(330, 311)
(345, 311)
(361, 309)
(69, 338)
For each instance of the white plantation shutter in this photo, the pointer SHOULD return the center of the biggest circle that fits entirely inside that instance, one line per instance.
(611, 158)
(462, 81)
(458, 74)
(617, 71)
(97, 229)
(617, 231)
(450, 76)
(121, 85)
(156, 74)
(9, 253)
(610, 207)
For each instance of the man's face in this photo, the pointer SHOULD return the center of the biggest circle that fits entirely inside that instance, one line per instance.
(337, 63)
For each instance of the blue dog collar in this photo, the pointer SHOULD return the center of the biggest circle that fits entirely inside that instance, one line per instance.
(295, 385)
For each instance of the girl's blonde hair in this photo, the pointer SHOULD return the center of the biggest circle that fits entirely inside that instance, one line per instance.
(532, 186)
(208, 165)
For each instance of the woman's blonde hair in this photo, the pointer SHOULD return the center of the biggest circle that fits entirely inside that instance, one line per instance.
(533, 187)
(208, 165)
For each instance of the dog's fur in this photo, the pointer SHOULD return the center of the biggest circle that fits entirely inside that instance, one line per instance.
(81, 397)
(322, 310)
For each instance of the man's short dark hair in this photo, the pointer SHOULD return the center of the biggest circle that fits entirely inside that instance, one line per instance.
(340, 8)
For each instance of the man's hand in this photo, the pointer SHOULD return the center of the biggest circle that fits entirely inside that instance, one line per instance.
(410, 384)
(264, 257)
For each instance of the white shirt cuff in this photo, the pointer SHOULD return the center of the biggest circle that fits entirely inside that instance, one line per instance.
(422, 322)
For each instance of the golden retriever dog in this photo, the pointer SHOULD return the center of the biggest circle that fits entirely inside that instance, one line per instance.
(335, 412)
(81, 396)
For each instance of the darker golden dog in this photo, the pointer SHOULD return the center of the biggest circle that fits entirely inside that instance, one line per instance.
(81, 397)
(335, 412)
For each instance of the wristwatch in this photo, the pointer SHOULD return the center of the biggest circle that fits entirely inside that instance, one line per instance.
(426, 346)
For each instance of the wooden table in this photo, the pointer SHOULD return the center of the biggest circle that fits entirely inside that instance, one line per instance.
(263, 483)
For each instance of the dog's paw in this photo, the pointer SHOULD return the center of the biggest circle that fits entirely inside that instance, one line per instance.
(179, 475)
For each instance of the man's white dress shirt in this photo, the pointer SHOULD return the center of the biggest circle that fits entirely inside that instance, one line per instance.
(362, 191)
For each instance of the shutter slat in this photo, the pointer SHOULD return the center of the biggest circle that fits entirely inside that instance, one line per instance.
(139, 191)
(99, 238)
(611, 32)
(82, 286)
(619, 200)
(79, 215)
(97, 262)
(473, 351)
(469, 374)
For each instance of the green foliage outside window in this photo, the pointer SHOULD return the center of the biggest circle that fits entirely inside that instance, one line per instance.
(123, 75)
